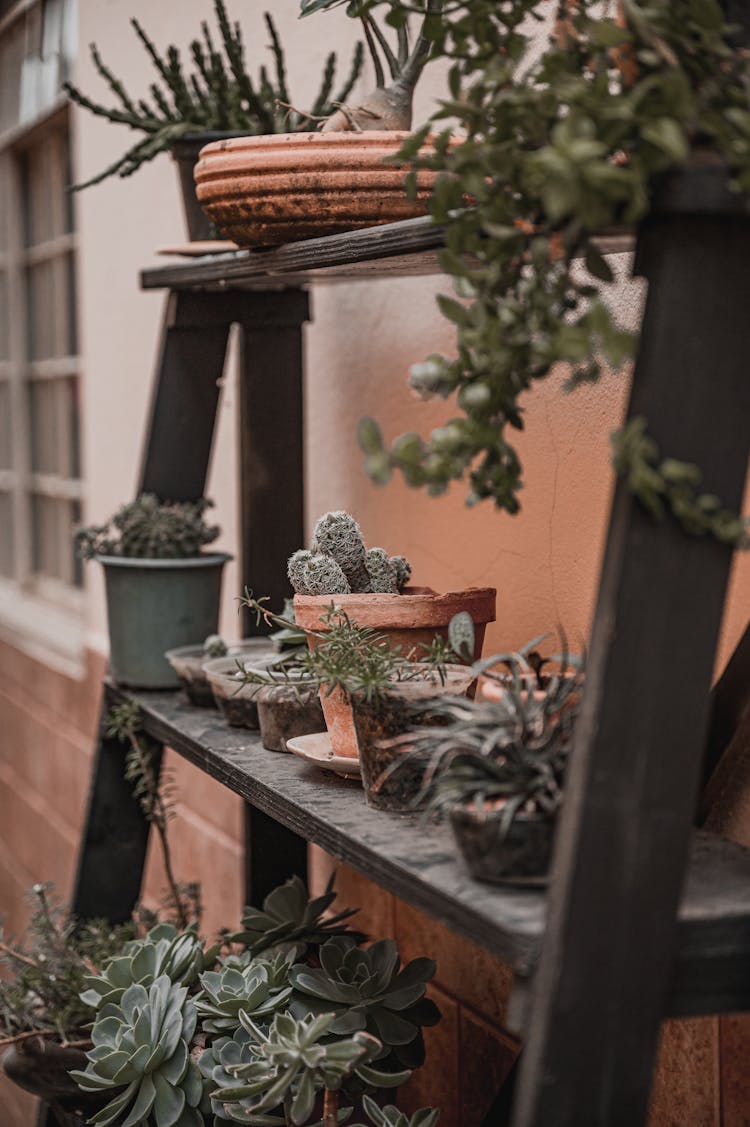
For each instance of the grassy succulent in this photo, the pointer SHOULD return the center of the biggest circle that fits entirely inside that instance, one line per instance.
(297, 1059)
(258, 989)
(141, 1054)
(217, 93)
(338, 563)
(291, 923)
(390, 1116)
(164, 951)
(150, 529)
(369, 991)
(43, 976)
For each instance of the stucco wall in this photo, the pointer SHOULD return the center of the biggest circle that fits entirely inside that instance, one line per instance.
(359, 347)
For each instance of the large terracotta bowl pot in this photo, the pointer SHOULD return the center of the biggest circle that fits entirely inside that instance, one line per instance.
(263, 191)
(411, 620)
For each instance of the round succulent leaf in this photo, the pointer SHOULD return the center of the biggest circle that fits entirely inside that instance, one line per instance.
(174, 1069)
(105, 1031)
(378, 1078)
(304, 1100)
(169, 1103)
(143, 1103)
(418, 970)
(393, 1029)
(402, 999)
(384, 959)
(108, 1115)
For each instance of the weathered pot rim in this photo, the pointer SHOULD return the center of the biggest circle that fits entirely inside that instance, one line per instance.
(415, 606)
(182, 652)
(372, 139)
(209, 559)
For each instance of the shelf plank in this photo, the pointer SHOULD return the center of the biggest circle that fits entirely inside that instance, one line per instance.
(408, 248)
(418, 861)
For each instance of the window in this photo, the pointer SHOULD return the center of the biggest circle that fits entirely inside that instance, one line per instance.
(40, 471)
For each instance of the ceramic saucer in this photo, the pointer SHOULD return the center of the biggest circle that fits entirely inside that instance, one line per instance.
(316, 749)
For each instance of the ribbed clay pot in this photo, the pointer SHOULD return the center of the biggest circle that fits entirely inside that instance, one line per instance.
(41, 1066)
(263, 191)
(411, 620)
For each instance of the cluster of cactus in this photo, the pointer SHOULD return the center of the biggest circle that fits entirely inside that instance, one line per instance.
(148, 528)
(217, 95)
(338, 563)
(142, 1046)
(164, 951)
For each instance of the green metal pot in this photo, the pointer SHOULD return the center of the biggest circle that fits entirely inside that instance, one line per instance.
(157, 605)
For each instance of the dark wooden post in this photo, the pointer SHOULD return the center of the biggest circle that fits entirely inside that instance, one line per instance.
(601, 986)
(272, 515)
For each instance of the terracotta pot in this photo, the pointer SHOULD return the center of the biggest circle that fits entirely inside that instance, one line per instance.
(339, 712)
(522, 857)
(263, 191)
(412, 619)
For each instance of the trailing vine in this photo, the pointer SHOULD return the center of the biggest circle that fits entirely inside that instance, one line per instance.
(557, 147)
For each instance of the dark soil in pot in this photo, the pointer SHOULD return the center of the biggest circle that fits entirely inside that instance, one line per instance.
(285, 712)
(377, 723)
(521, 857)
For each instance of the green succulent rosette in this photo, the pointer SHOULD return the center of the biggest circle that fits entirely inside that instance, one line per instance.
(259, 989)
(142, 1054)
(290, 922)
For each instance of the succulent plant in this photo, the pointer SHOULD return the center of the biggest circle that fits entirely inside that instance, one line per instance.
(142, 1046)
(295, 1060)
(214, 646)
(150, 529)
(339, 563)
(290, 922)
(257, 989)
(368, 991)
(219, 94)
(164, 951)
(390, 1116)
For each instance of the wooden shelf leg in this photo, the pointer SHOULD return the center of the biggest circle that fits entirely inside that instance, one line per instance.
(112, 853)
(602, 983)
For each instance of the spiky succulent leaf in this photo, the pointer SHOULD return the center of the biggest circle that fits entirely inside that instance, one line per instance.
(290, 922)
(141, 1045)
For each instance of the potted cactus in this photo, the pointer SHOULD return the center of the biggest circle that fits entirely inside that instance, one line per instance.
(497, 768)
(267, 190)
(163, 591)
(215, 98)
(372, 588)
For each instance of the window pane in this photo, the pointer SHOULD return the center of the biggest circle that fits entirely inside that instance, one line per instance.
(38, 194)
(6, 449)
(53, 523)
(6, 535)
(45, 438)
(70, 416)
(4, 326)
(41, 311)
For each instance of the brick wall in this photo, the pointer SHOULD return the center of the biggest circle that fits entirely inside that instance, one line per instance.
(47, 724)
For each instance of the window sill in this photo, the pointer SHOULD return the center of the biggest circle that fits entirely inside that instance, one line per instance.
(47, 633)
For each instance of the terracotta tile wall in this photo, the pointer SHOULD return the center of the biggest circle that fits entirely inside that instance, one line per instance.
(47, 722)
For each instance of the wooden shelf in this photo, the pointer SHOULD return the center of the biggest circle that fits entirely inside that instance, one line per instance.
(418, 862)
(394, 250)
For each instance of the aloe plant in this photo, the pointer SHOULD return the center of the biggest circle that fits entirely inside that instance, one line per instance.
(369, 991)
(297, 1059)
(141, 1054)
(259, 990)
(290, 922)
(164, 951)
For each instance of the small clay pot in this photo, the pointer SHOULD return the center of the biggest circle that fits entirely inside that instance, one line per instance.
(188, 663)
(522, 857)
(263, 191)
(411, 620)
(285, 712)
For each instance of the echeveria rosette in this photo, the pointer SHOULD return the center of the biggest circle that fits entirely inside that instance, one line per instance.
(258, 989)
(290, 922)
(142, 1046)
(163, 951)
(369, 991)
(290, 1064)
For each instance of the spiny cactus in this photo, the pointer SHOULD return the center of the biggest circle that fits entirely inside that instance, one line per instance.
(141, 1046)
(180, 956)
(215, 646)
(381, 571)
(339, 563)
(150, 529)
(312, 573)
(338, 534)
(227, 991)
